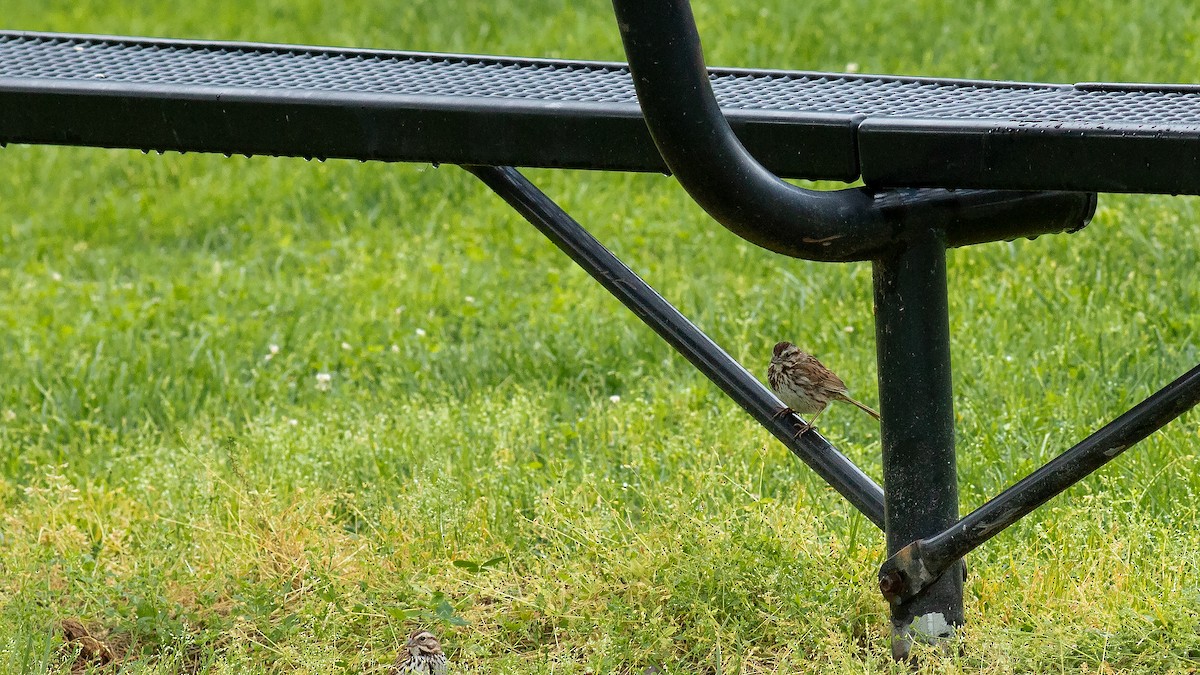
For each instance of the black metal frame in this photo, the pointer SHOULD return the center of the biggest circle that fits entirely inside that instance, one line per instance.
(908, 248)
(904, 232)
(923, 578)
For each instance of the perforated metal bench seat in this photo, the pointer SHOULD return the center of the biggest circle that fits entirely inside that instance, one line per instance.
(239, 98)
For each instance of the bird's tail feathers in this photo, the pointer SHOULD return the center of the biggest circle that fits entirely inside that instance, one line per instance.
(864, 408)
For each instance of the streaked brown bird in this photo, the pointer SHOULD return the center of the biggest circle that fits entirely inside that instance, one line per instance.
(422, 655)
(805, 385)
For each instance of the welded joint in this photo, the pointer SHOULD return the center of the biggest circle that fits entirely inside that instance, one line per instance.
(905, 574)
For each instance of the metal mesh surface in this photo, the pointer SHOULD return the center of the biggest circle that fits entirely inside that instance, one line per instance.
(320, 70)
(1098, 108)
(312, 70)
(398, 106)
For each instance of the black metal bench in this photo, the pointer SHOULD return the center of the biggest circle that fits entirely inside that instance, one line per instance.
(242, 98)
(945, 163)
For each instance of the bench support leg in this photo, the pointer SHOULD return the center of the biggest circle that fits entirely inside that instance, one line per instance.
(912, 334)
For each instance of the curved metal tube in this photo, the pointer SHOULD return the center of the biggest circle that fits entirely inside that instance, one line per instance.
(695, 140)
(698, 145)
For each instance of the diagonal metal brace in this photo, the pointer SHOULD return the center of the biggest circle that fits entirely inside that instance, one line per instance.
(708, 357)
(920, 563)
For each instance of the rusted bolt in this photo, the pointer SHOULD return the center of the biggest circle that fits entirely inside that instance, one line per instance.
(891, 584)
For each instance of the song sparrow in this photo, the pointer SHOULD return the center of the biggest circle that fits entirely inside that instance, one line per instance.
(422, 655)
(804, 385)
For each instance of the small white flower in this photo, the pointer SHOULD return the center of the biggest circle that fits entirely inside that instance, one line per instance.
(1009, 358)
(274, 349)
(9, 415)
(848, 329)
(420, 332)
(614, 398)
(470, 299)
(396, 349)
(323, 381)
(56, 276)
(852, 67)
(345, 345)
(292, 421)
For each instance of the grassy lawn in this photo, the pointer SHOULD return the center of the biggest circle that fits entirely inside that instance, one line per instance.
(263, 415)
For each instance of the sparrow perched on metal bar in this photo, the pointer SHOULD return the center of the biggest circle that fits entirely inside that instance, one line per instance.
(804, 385)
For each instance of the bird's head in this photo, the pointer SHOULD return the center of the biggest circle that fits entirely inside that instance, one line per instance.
(423, 643)
(783, 350)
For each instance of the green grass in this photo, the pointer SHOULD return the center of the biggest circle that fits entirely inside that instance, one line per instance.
(469, 468)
